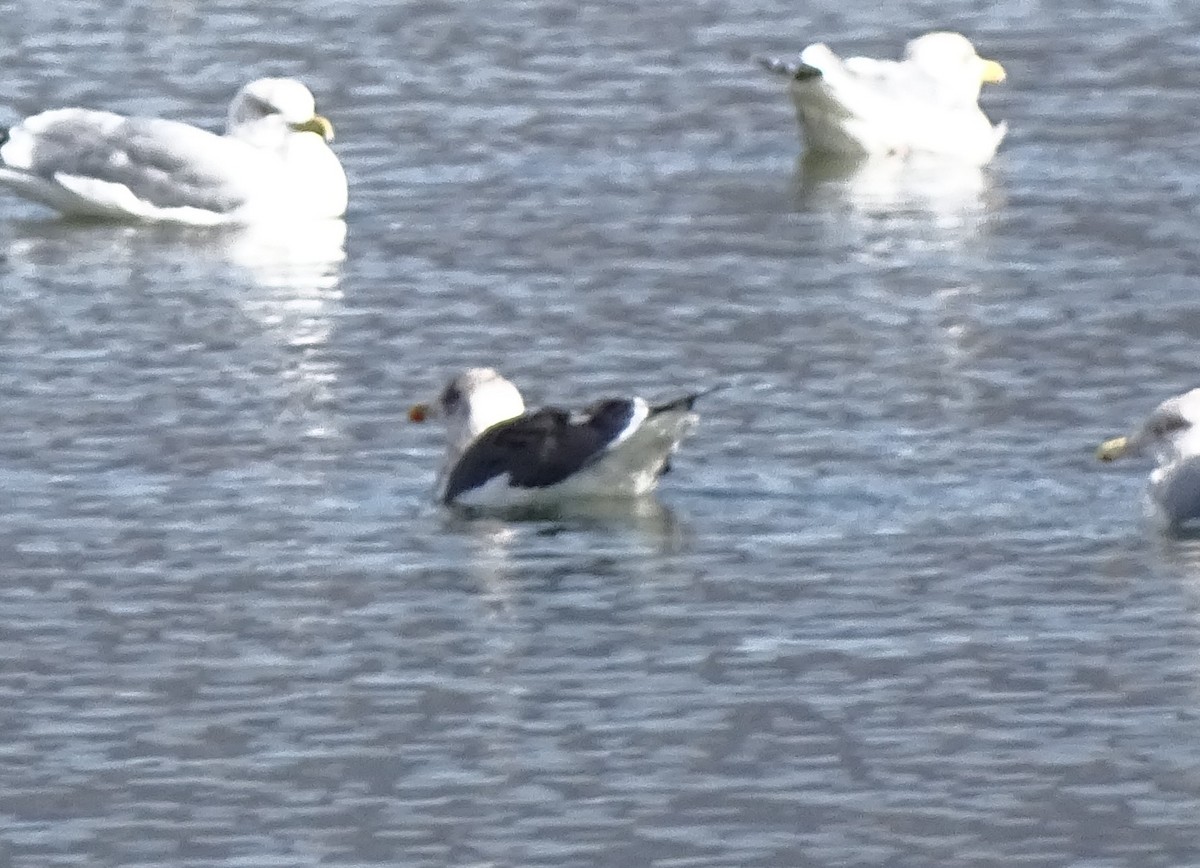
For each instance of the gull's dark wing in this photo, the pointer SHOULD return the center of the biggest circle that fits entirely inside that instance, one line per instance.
(540, 449)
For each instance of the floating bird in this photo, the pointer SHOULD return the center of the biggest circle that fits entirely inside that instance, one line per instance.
(499, 454)
(927, 103)
(273, 162)
(1170, 435)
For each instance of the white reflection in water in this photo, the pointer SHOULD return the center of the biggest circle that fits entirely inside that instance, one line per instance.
(945, 195)
(490, 541)
(499, 540)
(284, 278)
(914, 230)
(294, 255)
(296, 271)
(298, 256)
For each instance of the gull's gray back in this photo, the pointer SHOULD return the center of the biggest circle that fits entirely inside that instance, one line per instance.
(167, 163)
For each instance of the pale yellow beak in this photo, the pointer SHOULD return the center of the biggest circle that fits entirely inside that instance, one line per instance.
(1111, 450)
(316, 124)
(992, 72)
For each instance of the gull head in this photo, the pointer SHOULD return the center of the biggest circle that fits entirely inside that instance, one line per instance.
(950, 58)
(1169, 434)
(266, 111)
(470, 403)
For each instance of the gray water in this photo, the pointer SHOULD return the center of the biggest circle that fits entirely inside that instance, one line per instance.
(887, 610)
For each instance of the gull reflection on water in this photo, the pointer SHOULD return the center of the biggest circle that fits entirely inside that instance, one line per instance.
(1180, 546)
(296, 272)
(951, 194)
(504, 546)
(295, 254)
(907, 238)
(162, 284)
(646, 518)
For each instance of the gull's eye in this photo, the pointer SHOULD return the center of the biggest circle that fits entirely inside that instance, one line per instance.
(260, 107)
(1165, 426)
(450, 398)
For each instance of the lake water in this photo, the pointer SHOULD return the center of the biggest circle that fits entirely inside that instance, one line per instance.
(887, 609)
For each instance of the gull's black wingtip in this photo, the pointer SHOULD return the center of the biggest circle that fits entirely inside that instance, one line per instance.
(805, 72)
(687, 402)
(799, 71)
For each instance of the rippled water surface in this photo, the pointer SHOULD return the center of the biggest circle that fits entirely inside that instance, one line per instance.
(886, 610)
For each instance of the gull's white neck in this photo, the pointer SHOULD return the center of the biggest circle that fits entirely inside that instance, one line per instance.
(486, 407)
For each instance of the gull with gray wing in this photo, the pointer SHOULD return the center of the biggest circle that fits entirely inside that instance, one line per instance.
(1171, 436)
(273, 162)
(926, 103)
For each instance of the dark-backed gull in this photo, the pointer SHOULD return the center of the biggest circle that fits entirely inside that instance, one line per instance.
(499, 454)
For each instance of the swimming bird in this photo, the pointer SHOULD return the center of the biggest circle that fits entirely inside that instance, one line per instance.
(926, 103)
(500, 454)
(272, 162)
(1171, 436)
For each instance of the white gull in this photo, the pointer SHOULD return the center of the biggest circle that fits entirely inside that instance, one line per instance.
(928, 102)
(1171, 436)
(273, 162)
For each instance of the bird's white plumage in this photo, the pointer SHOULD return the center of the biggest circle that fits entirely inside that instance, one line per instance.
(272, 162)
(927, 102)
(471, 403)
(1171, 436)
